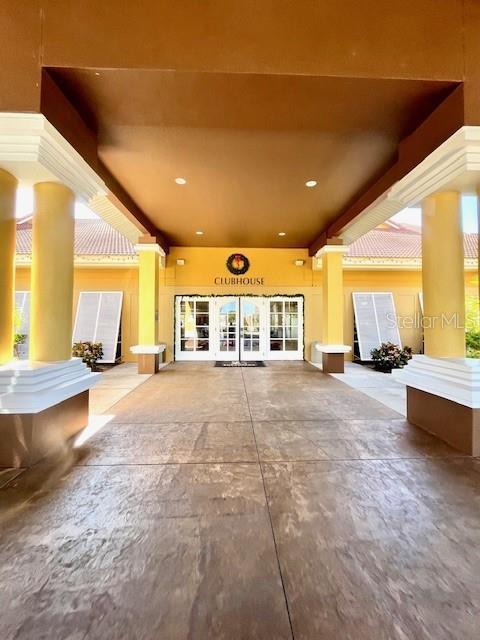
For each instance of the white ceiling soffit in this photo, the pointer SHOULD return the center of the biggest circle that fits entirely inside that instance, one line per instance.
(33, 151)
(454, 165)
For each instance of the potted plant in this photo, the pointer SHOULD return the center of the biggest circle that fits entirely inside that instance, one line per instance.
(89, 352)
(390, 356)
(19, 338)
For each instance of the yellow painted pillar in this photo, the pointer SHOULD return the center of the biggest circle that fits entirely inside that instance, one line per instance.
(332, 290)
(443, 276)
(8, 186)
(52, 273)
(148, 283)
(332, 347)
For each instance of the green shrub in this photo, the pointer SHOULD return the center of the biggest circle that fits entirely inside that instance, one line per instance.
(472, 340)
(19, 338)
(89, 352)
(390, 356)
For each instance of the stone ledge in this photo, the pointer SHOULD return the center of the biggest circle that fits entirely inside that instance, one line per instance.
(28, 387)
(455, 379)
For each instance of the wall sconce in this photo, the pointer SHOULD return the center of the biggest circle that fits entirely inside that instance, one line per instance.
(181, 262)
(299, 263)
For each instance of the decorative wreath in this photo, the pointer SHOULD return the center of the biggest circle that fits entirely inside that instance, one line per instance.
(238, 264)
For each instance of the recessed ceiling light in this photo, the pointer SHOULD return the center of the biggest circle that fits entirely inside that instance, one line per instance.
(180, 181)
(282, 233)
(199, 233)
(311, 183)
(97, 73)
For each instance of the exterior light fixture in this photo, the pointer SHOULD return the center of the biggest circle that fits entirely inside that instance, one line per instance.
(180, 181)
(199, 233)
(181, 262)
(299, 263)
(311, 183)
(282, 233)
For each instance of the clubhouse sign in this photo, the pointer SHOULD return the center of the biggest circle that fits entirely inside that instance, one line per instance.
(238, 265)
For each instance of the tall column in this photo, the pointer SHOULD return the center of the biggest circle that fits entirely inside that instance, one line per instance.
(148, 349)
(8, 186)
(332, 347)
(443, 392)
(443, 278)
(52, 273)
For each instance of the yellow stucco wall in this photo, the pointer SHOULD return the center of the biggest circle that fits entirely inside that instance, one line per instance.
(203, 265)
(275, 266)
(103, 279)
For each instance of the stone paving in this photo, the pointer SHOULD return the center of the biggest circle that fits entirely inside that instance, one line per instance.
(268, 503)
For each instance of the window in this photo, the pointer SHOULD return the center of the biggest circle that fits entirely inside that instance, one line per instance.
(194, 325)
(284, 325)
(228, 327)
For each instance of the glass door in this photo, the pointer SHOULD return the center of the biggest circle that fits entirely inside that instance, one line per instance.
(227, 328)
(252, 328)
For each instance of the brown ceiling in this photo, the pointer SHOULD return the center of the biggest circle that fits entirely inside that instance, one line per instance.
(246, 145)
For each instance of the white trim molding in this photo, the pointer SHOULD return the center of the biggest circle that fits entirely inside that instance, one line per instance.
(33, 151)
(332, 348)
(454, 165)
(104, 207)
(31, 387)
(150, 248)
(148, 349)
(456, 379)
(333, 248)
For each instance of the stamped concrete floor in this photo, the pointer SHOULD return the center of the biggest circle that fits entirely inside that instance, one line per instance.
(266, 503)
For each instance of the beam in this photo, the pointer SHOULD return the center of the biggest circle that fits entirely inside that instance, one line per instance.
(443, 122)
(60, 112)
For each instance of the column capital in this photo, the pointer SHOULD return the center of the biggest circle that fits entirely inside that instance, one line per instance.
(332, 248)
(149, 243)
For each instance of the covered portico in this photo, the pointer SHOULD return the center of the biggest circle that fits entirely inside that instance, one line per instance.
(241, 147)
(245, 150)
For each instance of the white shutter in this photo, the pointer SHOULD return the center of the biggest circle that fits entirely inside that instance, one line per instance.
(98, 320)
(86, 316)
(386, 318)
(22, 305)
(375, 320)
(108, 323)
(366, 323)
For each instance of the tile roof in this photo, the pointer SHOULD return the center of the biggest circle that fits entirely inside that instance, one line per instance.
(401, 241)
(96, 237)
(92, 237)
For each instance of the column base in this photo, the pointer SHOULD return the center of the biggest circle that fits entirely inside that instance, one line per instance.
(333, 356)
(42, 405)
(148, 357)
(148, 363)
(455, 424)
(333, 362)
(443, 397)
(29, 437)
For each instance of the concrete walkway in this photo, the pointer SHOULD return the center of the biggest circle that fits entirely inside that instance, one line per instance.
(379, 386)
(266, 503)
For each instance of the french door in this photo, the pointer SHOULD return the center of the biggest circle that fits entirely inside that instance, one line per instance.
(239, 328)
